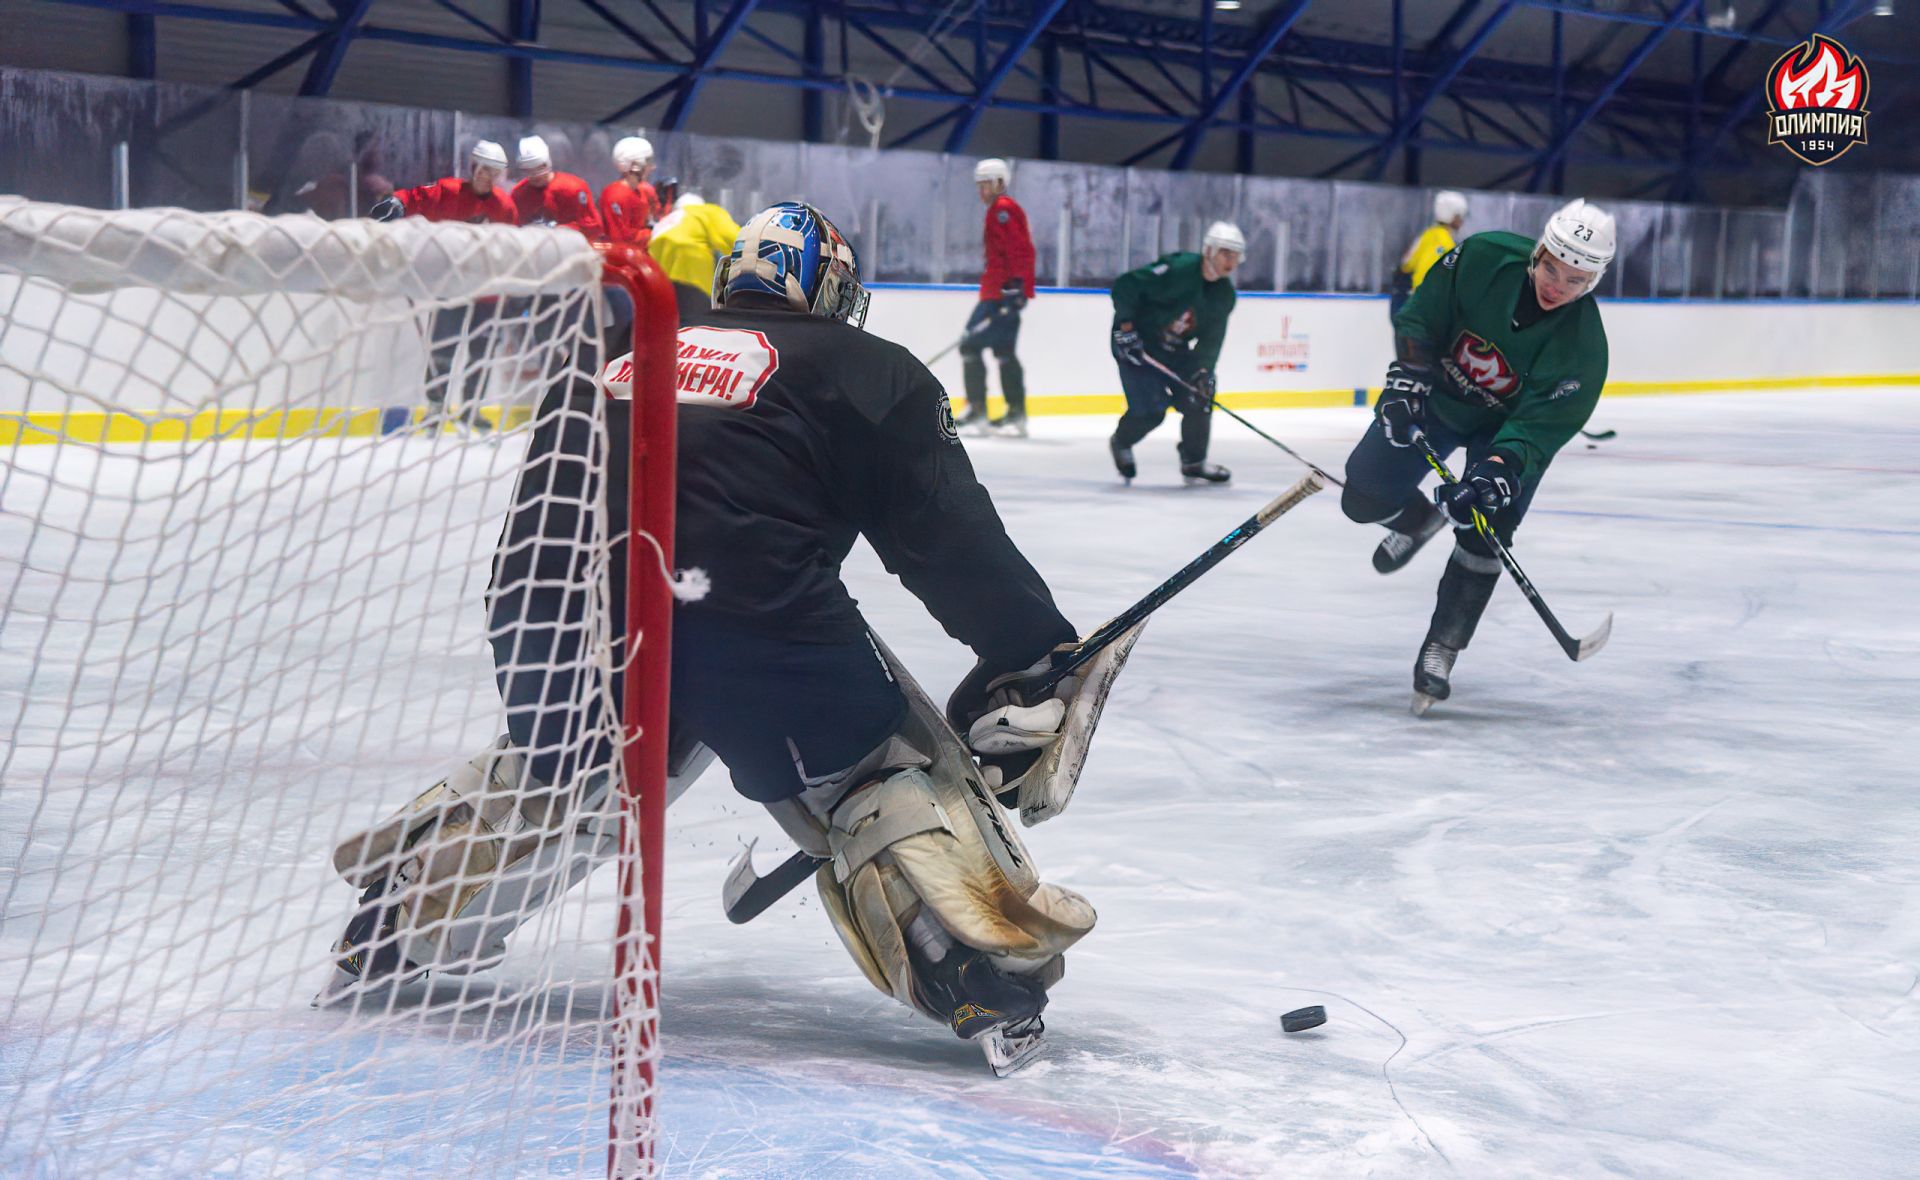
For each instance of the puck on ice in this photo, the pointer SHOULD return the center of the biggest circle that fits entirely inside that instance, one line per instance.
(1302, 1019)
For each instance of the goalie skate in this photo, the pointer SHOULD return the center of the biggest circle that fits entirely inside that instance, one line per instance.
(1010, 1048)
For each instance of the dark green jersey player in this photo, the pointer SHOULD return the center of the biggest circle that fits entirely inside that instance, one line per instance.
(1172, 315)
(1501, 352)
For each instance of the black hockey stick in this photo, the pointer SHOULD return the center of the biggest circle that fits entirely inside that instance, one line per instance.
(746, 896)
(1576, 649)
(1195, 393)
(978, 329)
(1600, 435)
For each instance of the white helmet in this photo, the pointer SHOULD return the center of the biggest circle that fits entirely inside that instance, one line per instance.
(1580, 235)
(1448, 206)
(631, 153)
(1225, 235)
(488, 154)
(534, 155)
(688, 200)
(992, 169)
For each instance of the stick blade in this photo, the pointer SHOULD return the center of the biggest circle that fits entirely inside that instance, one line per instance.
(1594, 642)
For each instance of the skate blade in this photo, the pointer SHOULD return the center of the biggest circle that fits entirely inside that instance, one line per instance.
(1422, 702)
(345, 987)
(1008, 1055)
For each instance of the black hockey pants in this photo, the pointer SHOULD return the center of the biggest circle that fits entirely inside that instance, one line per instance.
(1149, 394)
(992, 326)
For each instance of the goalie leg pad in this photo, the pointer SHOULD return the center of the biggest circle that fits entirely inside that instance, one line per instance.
(925, 869)
(462, 866)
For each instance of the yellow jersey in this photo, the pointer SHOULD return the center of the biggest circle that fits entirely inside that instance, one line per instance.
(689, 240)
(1427, 249)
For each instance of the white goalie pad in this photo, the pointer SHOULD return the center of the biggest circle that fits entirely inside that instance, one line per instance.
(922, 857)
(1061, 725)
(476, 855)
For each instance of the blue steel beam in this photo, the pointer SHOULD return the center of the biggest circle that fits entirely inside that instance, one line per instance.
(332, 50)
(1043, 13)
(701, 70)
(1279, 23)
(143, 47)
(524, 16)
(619, 25)
(1680, 11)
(1444, 78)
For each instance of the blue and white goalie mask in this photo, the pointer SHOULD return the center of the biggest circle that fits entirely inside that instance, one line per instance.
(793, 252)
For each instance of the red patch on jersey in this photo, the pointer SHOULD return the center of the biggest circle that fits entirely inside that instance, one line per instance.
(1480, 362)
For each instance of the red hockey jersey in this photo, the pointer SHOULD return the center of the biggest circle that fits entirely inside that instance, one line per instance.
(453, 199)
(1009, 248)
(565, 200)
(629, 212)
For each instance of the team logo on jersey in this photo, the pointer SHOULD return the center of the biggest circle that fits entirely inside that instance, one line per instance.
(723, 366)
(1477, 364)
(944, 408)
(1817, 100)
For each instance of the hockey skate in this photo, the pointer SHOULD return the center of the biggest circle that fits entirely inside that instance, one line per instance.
(1205, 473)
(1014, 1046)
(1430, 675)
(1396, 549)
(972, 420)
(1010, 425)
(1122, 459)
(367, 956)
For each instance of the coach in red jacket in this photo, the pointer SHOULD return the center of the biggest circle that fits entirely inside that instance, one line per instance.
(547, 197)
(1005, 287)
(475, 198)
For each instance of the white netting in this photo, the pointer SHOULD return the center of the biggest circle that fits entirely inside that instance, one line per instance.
(256, 476)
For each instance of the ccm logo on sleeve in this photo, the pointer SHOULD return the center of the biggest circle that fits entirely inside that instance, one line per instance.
(712, 367)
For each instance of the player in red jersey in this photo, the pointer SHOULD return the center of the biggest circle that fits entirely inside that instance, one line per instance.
(476, 199)
(547, 197)
(629, 205)
(1005, 287)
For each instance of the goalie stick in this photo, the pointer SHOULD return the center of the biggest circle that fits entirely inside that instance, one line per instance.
(747, 895)
(1576, 649)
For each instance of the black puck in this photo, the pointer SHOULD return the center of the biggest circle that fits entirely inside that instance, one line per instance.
(1302, 1019)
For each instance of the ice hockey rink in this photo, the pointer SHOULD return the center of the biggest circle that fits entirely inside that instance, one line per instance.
(1649, 915)
(1655, 915)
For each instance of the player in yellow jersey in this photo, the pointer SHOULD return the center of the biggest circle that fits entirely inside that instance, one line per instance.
(1449, 215)
(687, 242)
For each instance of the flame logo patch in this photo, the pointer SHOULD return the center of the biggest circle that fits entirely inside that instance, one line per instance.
(1817, 100)
(1481, 365)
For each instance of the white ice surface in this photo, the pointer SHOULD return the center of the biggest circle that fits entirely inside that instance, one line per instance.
(1656, 914)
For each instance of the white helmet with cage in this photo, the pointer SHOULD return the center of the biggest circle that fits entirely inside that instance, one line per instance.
(992, 169)
(1581, 235)
(1225, 235)
(1449, 207)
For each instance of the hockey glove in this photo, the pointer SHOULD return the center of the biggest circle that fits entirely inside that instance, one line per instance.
(389, 208)
(1013, 297)
(1203, 385)
(1403, 403)
(1128, 346)
(1488, 485)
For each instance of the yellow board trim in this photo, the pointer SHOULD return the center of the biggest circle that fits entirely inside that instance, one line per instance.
(113, 426)
(101, 426)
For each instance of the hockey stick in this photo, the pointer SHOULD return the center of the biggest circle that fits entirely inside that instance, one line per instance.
(746, 895)
(977, 330)
(1576, 649)
(1600, 435)
(1192, 392)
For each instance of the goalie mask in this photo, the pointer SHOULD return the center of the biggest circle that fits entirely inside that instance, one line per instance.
(793, 252)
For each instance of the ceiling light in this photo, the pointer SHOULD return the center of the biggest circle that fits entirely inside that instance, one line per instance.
(1226, 5)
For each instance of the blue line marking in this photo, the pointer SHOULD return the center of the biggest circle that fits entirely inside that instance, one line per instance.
(1740, 524)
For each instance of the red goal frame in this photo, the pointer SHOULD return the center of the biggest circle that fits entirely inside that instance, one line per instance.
(632, 1116)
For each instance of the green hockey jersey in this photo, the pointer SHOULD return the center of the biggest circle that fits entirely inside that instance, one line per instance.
(1533, 386)
(1180, 316)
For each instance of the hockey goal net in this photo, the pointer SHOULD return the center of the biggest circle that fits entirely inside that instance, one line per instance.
(272, 554)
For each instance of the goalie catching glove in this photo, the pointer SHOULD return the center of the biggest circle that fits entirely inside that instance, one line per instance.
(1032, 740)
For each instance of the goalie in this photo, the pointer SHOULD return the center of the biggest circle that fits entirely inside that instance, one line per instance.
(837, 435)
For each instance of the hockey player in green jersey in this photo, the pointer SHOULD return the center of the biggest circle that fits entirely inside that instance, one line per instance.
(1175, 311)
(1501, 351)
